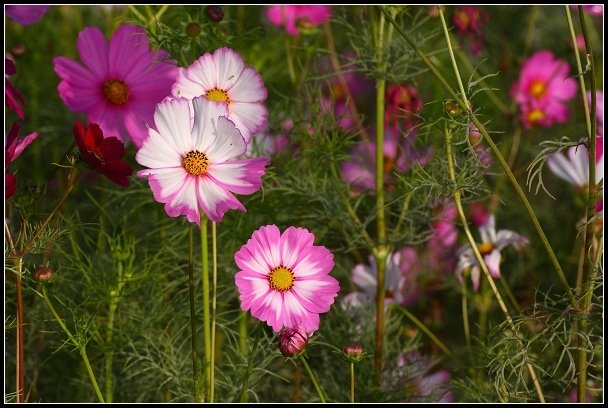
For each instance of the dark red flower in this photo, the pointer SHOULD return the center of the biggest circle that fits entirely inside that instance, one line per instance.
(402, 105)
(12, 97)
(103, 154)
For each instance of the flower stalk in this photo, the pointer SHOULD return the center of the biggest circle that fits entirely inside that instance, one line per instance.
(313, 378)
(194, 343)
(206, 304)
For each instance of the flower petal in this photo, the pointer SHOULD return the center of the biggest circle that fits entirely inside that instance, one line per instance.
(172, 119)
(214, 200)
(249, 118)
(315, 260)
(228, 67)
(492, 260)
(225, 142)
(239, 176)
(93, 50)
(248, 88)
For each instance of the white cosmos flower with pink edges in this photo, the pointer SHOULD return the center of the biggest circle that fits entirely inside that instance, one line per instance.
(222, 77)
(191, 164)
(284, 278)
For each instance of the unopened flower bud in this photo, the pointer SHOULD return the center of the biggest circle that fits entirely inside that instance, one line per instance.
(18, 50)
(193, 29)
(353, 352)
(293, 341)
(452, 108)
(43, 274)
(215, 13)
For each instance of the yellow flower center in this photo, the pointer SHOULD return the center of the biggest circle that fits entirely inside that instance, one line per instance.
(195, 163)
(281, 279)
(538, 88)
(535, 115)
(217, 95)
(116, 91)
(485, 248)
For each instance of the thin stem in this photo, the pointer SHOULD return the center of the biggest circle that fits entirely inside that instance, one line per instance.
(81, 348)
(109, 354)
(160, 12)
(141, 17)
(480, 260)
(313, 378)
(194, 342)
(243, 335)
(592, 198)
(429, 333)
(352, 382)
(451, 51)
(243, 395)
(558, 270)
(213, 308)
(20, 340)
(509, 293)
(290, 66)
(206, 304)
(380, 251)
(465, 315)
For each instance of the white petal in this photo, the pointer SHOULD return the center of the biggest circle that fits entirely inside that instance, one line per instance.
(172, 119)
(158, 152)
(205, 114)
(227, 141)
(562, 168)
(249, 118)
(229, 65)
(579, 157)
(365, 278)
(488, 230)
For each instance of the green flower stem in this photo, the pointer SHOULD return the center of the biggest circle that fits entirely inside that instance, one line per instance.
(465, 315)
(160, 12)
(380, 252)
(140, 16)
(213, 308)
(20, 339)
(579, 67)
(81, 347)
(290, 66)
(206, 304)
(352, 382)
(463, 94)
(195, 373)
(587, 289)
(243, 394)
(429, 333)
(243, 334)
(558, 270)
(313, 378)
(109, 354)
(481, 262)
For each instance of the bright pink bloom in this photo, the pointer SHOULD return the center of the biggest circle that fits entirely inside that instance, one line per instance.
(26, 15)
(222, 77)
(469, 22)
(13, 98)
(119, 84)
(192, 163)
(294, 18)
(284, 279)
(14, 148)
(542, 90)
(402, 105)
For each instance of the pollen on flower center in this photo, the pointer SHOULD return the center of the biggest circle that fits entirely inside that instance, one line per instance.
(116, 91)
(217, 95)
(281, 279)
(538, 88)
(535, 115)
(485, 248)
(195, 163)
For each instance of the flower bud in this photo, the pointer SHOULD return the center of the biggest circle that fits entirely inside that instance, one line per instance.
(452, 108)
(43, 274)
(353, 352)
(293, 341)
(193, 29)
(215, 13)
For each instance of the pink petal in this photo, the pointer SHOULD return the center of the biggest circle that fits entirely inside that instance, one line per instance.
(109, 119)
(129, 54)
(492, 260)
(292, 243)
(79, 89)
(239, 176)
(93, 51)
(165, 183)
(184, 201)
(315, 260)
(214, 200)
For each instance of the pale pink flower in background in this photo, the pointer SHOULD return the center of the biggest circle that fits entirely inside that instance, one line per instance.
(284, 279)
(573, 166)
(402, 105)
(414, 371)
(13, 149)
(12, 97)
(296, 18)
(599, 110)
(444, 237)
(119, 84)
(543, 89)
(222, 77)
(492, 243)
(268, 144)
(191, 166)
(26, 14)
(469, 22)
(483, 153)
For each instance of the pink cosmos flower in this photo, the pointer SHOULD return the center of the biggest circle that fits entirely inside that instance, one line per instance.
(13, 98)
(402, 105)
(26, 15)
(14, 148)
(445, 235)
(469, 22)
(492, 243)
(191, 163)
(119, 84)
(296, 18)
(542, 90)
(293, 341)
(284, 279)
(222, 77)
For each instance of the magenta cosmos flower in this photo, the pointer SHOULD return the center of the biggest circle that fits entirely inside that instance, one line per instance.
(222, 77)
(284, 279)
(26, 15)
(542, 90)
(191, 163)
(12, 97)
(14, 148)
(119, 84)
(296, 18)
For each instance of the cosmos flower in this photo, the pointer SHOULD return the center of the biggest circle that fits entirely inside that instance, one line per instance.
(119, 84)
(191, 164)
(402, 105)
(542, 90)
(444, 237)
(573, 166)
(284, 280)
(469, 22)
(12, 97)
(222, 77)
(492, 243)
(104, 154)
(26, 15)
(414, 371)
(14, 148)
(296, 18)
